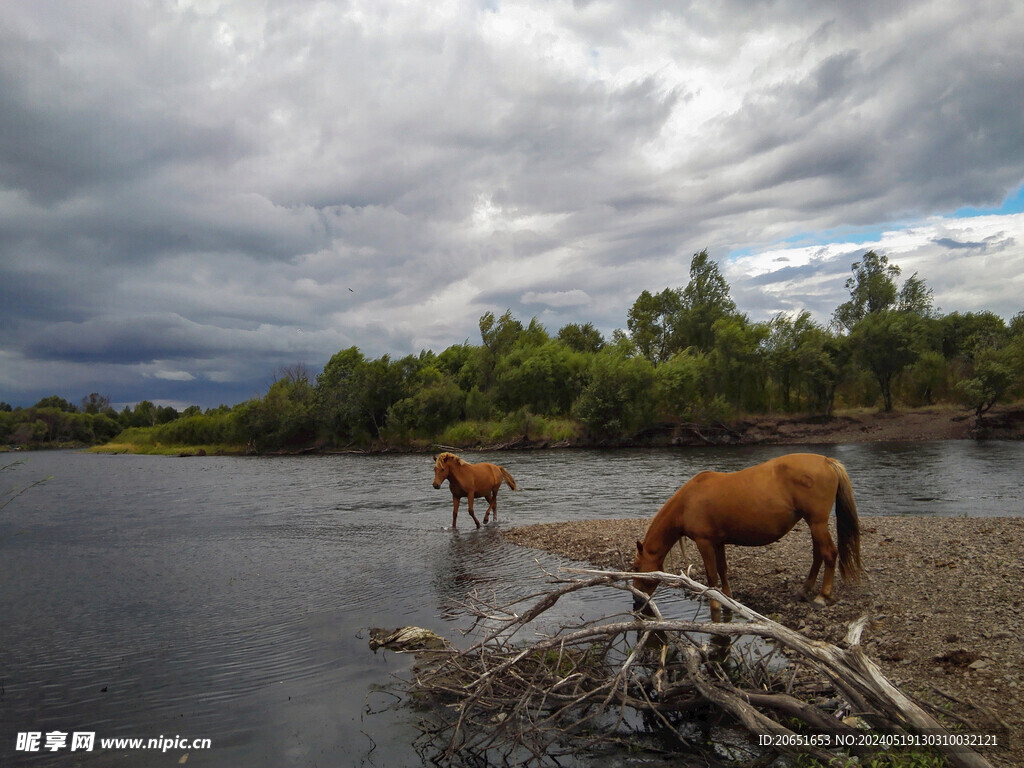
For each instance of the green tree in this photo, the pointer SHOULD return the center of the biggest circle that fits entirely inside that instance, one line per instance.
(915, 297)
(824, 360)
(96, 403)
(546, 379)
(581, 338)
(617, 398)
(57, 403)
(651, 323)
(705, 301)
(284, 418)
(340, 397)
(962, 335)
(886, 342)
(427, 412)
(737, 362)
(499, 336)
(926, 378)
(872, 289)
(995, 371)
(792, 347)
(680, 383)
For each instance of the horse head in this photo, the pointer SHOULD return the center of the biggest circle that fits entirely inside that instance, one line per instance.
(441, 468)
(643, 563)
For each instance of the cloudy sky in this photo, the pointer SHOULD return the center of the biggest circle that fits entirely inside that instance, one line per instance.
(196, 194)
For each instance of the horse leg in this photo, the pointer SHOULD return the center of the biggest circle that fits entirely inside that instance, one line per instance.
(708, 555)
(723, 569)
(455, 510)
(469, 498)
(682, 554)
(492, 505)
(824, 551)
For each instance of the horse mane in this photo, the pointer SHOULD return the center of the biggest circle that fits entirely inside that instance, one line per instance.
(447, 456)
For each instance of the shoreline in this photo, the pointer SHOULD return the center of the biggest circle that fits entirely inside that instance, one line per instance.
(863, 425)
(943, 595)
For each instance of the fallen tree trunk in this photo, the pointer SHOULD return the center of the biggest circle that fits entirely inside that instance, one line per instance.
(529, 703)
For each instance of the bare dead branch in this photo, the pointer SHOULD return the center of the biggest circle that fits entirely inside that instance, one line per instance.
(633, 681)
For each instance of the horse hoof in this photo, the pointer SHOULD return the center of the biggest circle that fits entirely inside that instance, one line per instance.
(819, 602)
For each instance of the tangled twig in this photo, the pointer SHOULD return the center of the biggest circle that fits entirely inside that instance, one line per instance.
(655, 683)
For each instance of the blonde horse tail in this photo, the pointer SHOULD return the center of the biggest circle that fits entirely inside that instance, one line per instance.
(509, 481)
(847, 525)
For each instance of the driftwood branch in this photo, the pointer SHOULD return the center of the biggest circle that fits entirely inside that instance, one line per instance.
(656, 682)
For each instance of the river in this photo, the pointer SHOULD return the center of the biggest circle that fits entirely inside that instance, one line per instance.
(229, 598)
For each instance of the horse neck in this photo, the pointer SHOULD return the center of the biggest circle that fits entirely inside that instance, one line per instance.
(456, 471)
(664, 531)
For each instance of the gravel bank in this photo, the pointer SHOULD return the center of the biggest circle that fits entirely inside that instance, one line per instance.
(944, 595)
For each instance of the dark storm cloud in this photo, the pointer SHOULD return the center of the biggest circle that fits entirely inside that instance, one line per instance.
(194, 194)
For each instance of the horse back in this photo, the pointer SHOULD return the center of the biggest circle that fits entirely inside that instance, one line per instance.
(759, 504)
(481, 478)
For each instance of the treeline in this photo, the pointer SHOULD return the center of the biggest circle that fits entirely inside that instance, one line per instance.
(55, 421)
(688, 355)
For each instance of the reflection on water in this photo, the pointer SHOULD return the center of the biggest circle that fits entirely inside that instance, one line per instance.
(228, 598)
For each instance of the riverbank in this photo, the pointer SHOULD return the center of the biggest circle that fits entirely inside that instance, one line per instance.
(940, 422)
(944, 596)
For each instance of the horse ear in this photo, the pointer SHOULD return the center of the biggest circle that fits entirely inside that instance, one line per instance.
(639, 546)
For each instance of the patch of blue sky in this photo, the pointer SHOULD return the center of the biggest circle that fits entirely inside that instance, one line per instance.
(846, 234)
(1014, 203)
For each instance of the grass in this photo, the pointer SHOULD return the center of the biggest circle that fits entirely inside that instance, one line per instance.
(159, 449)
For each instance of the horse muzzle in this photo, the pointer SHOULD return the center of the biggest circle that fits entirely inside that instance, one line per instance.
(436, 486)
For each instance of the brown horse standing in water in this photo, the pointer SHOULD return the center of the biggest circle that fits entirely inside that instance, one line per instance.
(754, 507)
(471, 481)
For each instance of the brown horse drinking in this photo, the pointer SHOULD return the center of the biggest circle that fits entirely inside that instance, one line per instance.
(754, 507)
(471, 481)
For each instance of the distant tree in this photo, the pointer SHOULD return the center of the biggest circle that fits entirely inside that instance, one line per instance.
(617, 398)
(59, 403)
(995, 372)
(705, 301)
(915, 297)
(500, 335)
(790, 347)
(737, 362)
(95, 403)
(284, 417)
(582, 338)
(825, 360)
(927, 377)
(429, 410)
(651, 323)
(546, 379)
(872, 289)
(962, 335)
(5, 407)
(1016, 325)
(453, 359)
(885, 344)
(144, 414)
(680, 383)
(339, 396)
